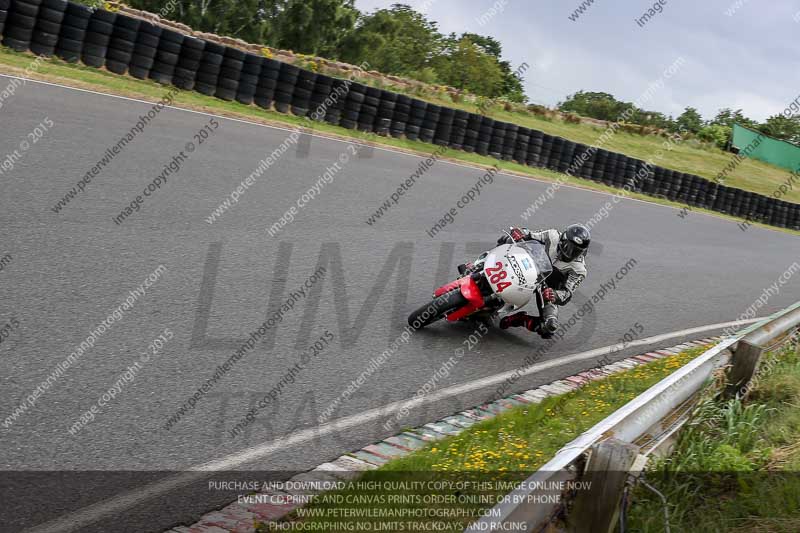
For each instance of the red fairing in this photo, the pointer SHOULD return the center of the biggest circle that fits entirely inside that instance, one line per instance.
(447, 288)
(473, 295)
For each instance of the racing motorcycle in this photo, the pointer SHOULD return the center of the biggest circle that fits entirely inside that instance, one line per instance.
(502, 280)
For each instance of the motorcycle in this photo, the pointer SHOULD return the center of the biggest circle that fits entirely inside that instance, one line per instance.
(502, 280)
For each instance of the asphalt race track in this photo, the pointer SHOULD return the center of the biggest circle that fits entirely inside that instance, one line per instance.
(70, 270)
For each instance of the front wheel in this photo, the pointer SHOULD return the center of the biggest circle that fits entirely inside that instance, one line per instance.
(437, 309)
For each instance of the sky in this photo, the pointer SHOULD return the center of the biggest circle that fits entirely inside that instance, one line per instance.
(729, 53)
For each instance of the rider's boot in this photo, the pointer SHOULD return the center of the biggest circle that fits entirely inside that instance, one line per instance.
(534, 324)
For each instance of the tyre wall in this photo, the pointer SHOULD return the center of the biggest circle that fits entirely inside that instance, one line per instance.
(126, 45)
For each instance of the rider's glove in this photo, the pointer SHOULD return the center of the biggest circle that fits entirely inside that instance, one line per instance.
(549, 295)
(516, 236)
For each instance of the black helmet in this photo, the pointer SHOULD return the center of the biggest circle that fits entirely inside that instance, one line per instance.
(573, 242)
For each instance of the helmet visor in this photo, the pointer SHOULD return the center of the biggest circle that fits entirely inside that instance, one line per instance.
(569, 250)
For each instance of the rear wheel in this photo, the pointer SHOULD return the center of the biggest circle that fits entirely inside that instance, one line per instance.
(437, 309)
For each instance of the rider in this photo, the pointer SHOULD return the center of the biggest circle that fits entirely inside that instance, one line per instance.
(567, 251)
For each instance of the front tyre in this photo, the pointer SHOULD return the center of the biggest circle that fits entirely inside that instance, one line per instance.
(437, 309)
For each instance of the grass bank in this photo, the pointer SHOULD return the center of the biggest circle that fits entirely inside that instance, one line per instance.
(500, 451)
(54, 70)
(736, 467)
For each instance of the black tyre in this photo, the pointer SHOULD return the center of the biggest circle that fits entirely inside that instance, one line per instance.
(117, 67)
(436, 309)
(92, 60)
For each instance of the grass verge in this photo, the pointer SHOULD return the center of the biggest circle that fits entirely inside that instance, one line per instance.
(501, 451)
(737, 466)
(75, 75)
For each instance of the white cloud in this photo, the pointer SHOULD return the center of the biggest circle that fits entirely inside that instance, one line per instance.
(746, 61)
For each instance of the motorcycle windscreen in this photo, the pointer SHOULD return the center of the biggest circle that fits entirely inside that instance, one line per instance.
(541, 260)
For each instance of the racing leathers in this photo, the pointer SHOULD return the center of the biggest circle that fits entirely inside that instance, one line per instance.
(563, 282)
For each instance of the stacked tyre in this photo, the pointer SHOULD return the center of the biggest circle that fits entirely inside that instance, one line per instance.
(369, 109)
(627, 175)
(98, 35)
(565, 158)
(73, 32)
(122, 44)
(416, 118)
(229, 73)
(352, 105)
(321, 97)
(188, 63)
(386, 105)
(600, 161)
(497, 140)
(444, 127)
(287, 79)
(612, 168)
(484, 136)
(510, 146)
(334, 111)
(428, 130)
(20, 22)
(535, 147)
(208, 70)
(459, 129)
(646, 178)
(585, 160)
(248, 82)
(167, 54)
(48, 27)
(473, 127)
(4, 5)
(557, 147)
(521, 145)
(303, 89)
(267, 83)
(145, 50)
(401, 116)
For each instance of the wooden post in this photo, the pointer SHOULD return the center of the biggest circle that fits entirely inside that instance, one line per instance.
(744, 365)
(596, 507)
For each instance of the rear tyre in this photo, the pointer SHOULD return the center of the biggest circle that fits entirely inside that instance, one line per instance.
(437, 309)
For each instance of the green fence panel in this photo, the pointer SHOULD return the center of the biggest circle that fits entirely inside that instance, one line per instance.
(756, 145)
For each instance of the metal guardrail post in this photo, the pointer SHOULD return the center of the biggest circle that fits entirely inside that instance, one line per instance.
(749, 349)
(744, 366)
(596, 509)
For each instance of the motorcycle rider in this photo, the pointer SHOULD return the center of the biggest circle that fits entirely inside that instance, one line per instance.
(567, 251)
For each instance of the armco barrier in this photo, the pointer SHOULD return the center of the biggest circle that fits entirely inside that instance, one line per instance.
(647, 425)
(124, 44)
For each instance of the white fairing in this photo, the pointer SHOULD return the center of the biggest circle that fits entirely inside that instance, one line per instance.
(519, 283)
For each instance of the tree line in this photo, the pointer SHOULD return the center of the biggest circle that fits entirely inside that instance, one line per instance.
(401, 41)
(396, 40)
(718, 129)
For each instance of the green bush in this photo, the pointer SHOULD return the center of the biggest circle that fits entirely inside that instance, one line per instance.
(716, 133)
